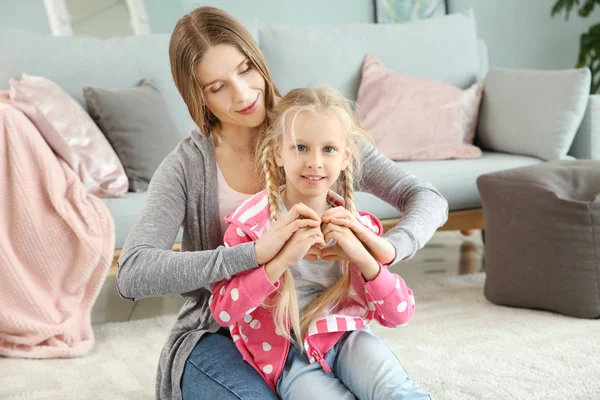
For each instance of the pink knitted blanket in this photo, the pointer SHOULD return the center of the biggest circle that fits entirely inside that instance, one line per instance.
(56, 246)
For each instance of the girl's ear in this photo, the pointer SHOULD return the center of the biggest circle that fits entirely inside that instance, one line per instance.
(277, 153)
(347, 157)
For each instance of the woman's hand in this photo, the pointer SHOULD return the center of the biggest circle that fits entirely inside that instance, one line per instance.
(380, 248)
(294, 250)
(353, 248)
(272, 241)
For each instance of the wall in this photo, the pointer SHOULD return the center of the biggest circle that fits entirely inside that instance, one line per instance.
(100, 18)
(28, 15)
(521, 33)
(309, 12)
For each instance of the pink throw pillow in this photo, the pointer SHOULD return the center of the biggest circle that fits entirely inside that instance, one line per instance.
(71, 133)
(413, 118)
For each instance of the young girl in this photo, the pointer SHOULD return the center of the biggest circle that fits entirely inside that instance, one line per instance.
(302, 323)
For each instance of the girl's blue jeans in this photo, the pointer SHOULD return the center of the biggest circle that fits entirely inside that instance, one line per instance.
(362, 367)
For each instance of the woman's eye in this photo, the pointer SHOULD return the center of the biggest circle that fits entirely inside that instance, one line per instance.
(217, 89)
(301, 147)
(248, 68)
(329, 149)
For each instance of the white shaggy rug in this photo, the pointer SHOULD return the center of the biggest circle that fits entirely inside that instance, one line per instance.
(458, 346)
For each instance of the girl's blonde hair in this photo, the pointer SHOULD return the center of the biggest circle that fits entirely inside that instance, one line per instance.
(193, 35)
(281, 122)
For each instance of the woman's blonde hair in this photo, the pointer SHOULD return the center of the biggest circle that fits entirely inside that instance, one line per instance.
(281, 122)
(192, 36)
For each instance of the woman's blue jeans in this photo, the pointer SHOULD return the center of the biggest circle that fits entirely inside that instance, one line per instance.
(215, 370)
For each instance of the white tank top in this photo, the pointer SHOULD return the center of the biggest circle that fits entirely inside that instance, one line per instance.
(229, 200)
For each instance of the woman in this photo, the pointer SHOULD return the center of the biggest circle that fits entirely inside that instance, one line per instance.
(221, 75)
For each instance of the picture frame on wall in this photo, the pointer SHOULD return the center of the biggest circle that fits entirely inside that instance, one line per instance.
(397, 11)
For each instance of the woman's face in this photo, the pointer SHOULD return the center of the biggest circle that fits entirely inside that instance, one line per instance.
(233, 88)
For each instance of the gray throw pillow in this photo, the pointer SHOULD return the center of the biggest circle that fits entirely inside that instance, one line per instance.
(137, 124)
(535, 113)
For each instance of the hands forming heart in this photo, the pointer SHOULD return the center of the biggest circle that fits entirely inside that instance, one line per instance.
(341, 231)
(346, 239)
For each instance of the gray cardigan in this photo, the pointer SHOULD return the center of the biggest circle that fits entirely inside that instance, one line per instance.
(183, 194)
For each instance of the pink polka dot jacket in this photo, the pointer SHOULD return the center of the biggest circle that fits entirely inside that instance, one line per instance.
(236, 303)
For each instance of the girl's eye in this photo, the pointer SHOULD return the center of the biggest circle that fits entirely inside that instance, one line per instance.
(329, 149)
(217, 89)
(301, 147)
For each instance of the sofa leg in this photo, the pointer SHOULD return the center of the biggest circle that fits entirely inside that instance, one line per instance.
(469, 259)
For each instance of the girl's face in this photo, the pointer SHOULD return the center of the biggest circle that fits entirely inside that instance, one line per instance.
(233, 88)
(314, 158)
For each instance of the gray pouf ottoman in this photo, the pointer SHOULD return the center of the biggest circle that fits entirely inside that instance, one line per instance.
(542, 237)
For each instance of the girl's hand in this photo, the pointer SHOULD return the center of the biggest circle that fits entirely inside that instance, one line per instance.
(353, 249)
(380, 248)
(294, 250)
(270, 244)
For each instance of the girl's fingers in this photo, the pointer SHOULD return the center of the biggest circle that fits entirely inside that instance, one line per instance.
(298, 224)
(338, 212)
(335, 250)
(333, 211)
(320, 240)
(333, 234)
(328, 228)
(300, 211)
(314, 249)
(351, 224)
(348, 223)
(314, 236)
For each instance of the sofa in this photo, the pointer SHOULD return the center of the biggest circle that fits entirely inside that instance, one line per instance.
(445, 49)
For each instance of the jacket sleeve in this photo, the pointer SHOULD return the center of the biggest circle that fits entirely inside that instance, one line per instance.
(234, 298)
(391, 300)
(148, 266)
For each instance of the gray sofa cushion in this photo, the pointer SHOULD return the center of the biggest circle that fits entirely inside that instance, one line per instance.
(138, 126)
(455, 179)
(543, 237)
(301, 55)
